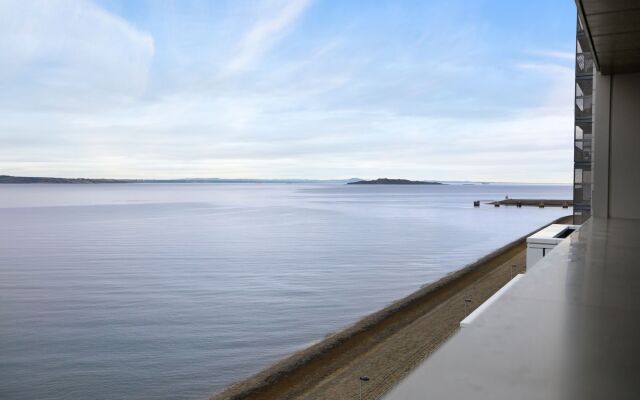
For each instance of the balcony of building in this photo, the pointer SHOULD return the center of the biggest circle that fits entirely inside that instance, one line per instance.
(567, 330)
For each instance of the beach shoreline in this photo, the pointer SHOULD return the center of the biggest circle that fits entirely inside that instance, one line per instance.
(389, 343)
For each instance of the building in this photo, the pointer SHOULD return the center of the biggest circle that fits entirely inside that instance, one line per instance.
(570, 328)
(583, 118)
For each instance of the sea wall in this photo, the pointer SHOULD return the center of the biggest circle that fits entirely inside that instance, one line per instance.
(285, 378)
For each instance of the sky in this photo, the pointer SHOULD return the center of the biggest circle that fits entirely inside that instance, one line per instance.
(319, 89)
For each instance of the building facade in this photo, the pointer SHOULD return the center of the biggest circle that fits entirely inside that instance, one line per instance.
(583, 127)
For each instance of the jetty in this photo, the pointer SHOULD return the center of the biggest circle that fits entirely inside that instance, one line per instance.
(533, 203)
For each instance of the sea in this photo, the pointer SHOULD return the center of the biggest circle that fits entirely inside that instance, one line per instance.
(173, 291)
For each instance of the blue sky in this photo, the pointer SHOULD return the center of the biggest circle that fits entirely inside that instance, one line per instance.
(447, 90)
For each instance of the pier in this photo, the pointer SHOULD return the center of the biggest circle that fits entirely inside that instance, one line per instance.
(532, 203)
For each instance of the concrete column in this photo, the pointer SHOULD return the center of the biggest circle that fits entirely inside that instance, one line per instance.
(601, 138)
(624, 146)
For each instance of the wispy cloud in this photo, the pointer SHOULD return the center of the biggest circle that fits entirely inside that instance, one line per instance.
(265, 33)
(542, 67)
(65, 54)
(560, 55)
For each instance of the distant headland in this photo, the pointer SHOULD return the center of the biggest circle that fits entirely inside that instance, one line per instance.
(40, 179)
(387, 181)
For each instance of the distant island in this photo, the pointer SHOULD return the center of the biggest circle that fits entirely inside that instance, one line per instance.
(39, 179)
(387, 181)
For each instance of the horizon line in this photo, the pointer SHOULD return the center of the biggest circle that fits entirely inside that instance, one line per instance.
(288, 179)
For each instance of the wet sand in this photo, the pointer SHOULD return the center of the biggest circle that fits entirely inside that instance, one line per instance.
(386, 345)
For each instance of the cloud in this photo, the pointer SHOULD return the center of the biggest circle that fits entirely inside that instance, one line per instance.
(559, 55)
(67, 54)
(559, 94)
(550, 69)
(264, 34)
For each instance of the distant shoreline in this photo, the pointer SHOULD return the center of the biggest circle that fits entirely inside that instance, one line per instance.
(10, 179)
(387, 181)
(38, 179)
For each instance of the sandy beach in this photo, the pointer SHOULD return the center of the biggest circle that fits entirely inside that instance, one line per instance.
(388, 344)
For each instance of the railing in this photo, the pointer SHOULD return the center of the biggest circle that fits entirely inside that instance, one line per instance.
(584, 63)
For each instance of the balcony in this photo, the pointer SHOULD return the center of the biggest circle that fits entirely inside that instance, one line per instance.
(584, 64)
(567, 330)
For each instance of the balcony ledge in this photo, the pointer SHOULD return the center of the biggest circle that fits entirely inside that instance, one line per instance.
(569, 329)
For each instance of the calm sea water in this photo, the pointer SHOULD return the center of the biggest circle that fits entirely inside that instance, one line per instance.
(173, 291)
